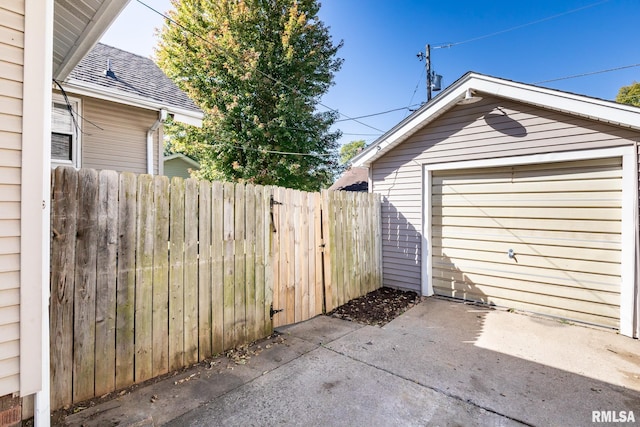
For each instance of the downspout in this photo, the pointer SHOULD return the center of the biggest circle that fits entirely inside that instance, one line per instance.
(162, 116)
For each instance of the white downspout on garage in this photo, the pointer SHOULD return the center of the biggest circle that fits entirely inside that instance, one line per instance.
(162, 116)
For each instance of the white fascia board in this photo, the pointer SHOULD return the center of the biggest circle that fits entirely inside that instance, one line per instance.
(183, 158)
(592, 108)
(188, 120)
(101, 21)
(182, 115)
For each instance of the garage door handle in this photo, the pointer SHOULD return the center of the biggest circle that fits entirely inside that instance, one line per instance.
(511, 254)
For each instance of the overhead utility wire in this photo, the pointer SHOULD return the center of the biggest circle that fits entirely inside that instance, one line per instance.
(447, 45)
(588, 74)
(379, 114)
(416, 88)
(232, 56)
(290, 153)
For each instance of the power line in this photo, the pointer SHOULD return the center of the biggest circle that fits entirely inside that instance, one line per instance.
(378, 114)
(238, 147)
(232, 56)
(416, 88)
(447, 45)
(588, 74)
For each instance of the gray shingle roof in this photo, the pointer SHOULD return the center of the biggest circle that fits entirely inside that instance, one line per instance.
(134, 74)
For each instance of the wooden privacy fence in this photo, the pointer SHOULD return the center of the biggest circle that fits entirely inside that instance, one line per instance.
(150, 275)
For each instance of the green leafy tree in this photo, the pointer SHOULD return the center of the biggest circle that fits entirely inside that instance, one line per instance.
(258, 69)
(349, 150)
(629, 94)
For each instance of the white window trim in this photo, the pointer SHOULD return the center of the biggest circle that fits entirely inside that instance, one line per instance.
(76, 104)
(628, 154)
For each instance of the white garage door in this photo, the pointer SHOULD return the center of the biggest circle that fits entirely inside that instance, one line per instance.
(561, 221)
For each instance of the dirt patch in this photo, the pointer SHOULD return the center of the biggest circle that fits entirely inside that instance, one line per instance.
(378, 307)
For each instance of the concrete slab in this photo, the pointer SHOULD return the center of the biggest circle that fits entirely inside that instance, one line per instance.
(468, 352)
(325, 388)
(441, 363)
(320, 329)
(169, 398)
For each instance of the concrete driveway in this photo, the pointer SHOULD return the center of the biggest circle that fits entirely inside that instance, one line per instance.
(441, 363)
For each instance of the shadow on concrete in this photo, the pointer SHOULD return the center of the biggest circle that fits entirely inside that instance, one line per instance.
(549, 374)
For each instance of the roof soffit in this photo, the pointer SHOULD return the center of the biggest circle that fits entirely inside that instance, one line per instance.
(78, 25)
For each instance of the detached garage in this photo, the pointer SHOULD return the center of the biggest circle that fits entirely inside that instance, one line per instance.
(514, 195)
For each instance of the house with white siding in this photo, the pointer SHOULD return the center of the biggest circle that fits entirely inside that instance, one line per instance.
(109, 113)
(514, 195)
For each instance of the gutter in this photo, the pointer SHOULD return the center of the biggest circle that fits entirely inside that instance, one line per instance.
(181, 114)
(162, 116)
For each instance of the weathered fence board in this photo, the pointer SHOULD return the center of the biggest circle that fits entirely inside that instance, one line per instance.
(106, 282)
(125, 286)
(85, 286)
(217, 268)
(176, 275)
(239, 286)
(63, 246)
(160, 320)
(144, 280)
(250, 263)
(229, 265)
(204, 271)
(150, 275)
(190, 283)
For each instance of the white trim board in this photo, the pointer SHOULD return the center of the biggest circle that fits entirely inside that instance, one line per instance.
(628, 303)
(34, 207)
(180, 114)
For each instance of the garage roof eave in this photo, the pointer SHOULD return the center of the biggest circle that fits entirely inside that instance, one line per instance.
(593, 108)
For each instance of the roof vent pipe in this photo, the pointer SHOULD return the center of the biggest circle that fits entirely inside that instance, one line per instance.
(109, 72)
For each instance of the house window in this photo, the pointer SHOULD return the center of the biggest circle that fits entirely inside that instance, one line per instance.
(65, 132)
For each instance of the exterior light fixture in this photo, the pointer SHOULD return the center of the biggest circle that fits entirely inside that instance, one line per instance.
(469, 98)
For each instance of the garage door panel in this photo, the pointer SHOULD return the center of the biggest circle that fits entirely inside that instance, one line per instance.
(611, 199)
(578, 293)
(546, 262)
(460, 290)
(562, 220)
(534, 237)
(612, 166)
(520, 174)
(520, 272)
(582, 316)
(502, 247)
(527, 224)
(548, 187)
(589, 213)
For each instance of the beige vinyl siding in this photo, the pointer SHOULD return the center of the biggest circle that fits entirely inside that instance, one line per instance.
(121, 144)
(11, 78)
(563, 222)
(491, 128)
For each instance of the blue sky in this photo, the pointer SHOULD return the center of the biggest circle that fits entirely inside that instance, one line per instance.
(382, 37)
